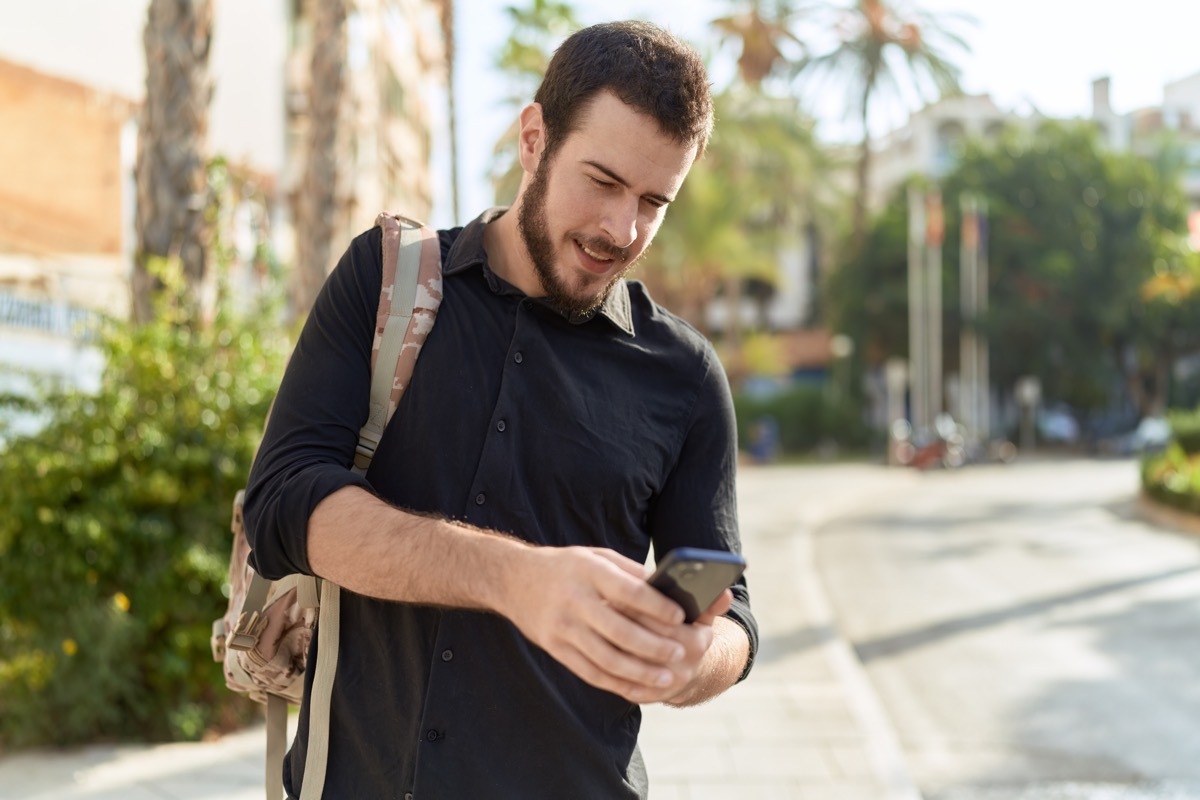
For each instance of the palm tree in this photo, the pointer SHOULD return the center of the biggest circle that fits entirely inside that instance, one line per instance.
(741, 203)
(170, 219)
(763, 36)
(536, 30)
(317, 204)
(880, 41)
(447, 18)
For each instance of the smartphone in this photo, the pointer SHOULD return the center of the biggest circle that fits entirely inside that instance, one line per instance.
(694, 578)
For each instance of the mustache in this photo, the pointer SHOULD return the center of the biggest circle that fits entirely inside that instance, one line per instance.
(603, 247)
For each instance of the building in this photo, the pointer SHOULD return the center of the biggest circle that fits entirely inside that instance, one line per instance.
(70, 91)
(396, 78)
(933, 139)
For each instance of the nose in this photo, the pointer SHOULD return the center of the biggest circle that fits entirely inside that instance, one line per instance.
(620, 222)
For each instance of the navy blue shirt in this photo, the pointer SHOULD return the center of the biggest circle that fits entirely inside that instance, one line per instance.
(613, 429)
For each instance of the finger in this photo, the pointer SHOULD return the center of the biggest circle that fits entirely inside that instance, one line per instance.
(719, 607)
(638, 598)
(586, 670)
(622, 665)
(627, 564)
(643, 638)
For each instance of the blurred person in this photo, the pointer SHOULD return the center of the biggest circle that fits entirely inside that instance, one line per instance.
(498, 634)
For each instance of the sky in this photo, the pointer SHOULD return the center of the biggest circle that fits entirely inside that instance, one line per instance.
(1039, 53)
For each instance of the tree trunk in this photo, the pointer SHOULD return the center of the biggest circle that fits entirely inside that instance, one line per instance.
(317, 205)
(448, 37)
(862, 172)
(172, 133)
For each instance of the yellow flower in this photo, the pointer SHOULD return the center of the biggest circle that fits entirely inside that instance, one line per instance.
(69, 647)
(121, 601)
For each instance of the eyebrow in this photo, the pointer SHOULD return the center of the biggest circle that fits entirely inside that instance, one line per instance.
(618, 179)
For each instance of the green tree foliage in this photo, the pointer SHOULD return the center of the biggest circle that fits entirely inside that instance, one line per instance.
(115, 540)
(761, 29)
(537, 29)
(1075, 236)
(881, 45)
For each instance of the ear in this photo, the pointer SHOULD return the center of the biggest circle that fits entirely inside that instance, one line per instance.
(532, 137)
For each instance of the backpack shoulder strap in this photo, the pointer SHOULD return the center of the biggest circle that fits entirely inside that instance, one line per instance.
(409, 296)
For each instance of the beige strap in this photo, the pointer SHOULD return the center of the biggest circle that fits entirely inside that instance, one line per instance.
(404, 298)
(277, 709)
(403, 301)
(308, 591)
(322, 692)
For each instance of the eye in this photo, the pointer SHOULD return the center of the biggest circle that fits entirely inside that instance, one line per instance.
(601, 183)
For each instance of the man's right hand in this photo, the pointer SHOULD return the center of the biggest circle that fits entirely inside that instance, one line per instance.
(582, 605)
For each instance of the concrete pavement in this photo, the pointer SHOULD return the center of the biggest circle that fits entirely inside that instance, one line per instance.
(806, 725)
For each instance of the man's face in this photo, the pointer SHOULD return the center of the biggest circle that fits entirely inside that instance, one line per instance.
(593, 206)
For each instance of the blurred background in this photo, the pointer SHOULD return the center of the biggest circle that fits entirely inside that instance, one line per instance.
(925, 235)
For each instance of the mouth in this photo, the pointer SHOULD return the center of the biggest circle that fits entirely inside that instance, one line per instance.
(592, 260)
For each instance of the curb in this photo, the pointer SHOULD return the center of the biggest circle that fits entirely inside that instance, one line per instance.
(882, 743)
(1166, 516)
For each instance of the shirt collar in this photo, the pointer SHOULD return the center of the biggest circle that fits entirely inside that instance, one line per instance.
(467, 251)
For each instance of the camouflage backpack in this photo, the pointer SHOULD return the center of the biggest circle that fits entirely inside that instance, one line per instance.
(263, 639)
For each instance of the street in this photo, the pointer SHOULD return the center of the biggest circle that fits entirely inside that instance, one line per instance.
(993, 633)
(1027, 633)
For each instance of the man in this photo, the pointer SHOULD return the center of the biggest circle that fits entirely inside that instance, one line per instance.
(498, 634)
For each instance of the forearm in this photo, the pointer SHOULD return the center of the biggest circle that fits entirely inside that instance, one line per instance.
(369, 547)
(721, 666)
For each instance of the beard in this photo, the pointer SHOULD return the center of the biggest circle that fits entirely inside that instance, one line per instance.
(535, 233)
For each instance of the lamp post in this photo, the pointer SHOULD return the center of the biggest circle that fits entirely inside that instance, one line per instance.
(1029, 393)
(895, 375)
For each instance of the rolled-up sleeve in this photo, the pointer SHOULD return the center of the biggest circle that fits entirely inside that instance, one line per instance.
(308, 447)
(697, 507)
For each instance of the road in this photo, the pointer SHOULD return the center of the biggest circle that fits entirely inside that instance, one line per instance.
(1028, 634)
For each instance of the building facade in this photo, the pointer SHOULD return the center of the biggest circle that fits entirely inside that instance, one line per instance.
(69, 144)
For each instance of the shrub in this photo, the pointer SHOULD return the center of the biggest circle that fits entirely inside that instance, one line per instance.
(1185, 429)
(806, 416)
(1172, 477)
(114, 542)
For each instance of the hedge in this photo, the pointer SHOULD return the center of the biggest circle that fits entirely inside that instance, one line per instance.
(115, 540)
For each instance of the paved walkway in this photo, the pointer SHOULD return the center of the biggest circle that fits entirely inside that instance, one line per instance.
(805, 726)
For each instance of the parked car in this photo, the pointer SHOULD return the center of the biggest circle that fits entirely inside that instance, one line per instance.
(1057, 426)
(1150, 435)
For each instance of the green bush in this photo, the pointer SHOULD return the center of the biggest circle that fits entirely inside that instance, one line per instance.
(1185, 429)
(1172, 477)
(114, 542)
(807, 416)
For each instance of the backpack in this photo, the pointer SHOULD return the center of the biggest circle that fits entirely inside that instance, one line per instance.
(263, 639)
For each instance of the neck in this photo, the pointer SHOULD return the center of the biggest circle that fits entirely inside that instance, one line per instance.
(507, 255)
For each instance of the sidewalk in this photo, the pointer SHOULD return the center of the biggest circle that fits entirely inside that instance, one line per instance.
(806, 725)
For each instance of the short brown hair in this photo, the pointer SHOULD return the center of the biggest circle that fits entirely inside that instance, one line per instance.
(648, 68)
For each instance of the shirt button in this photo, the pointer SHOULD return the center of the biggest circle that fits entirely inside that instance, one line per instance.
(447, 655)
(432, 735)
(480, 499)
(500, 426)
(517, 357)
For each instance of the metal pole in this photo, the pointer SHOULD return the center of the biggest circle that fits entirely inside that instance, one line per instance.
(968, 353)
(935, 225)
(984, 413)
(916, 307)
